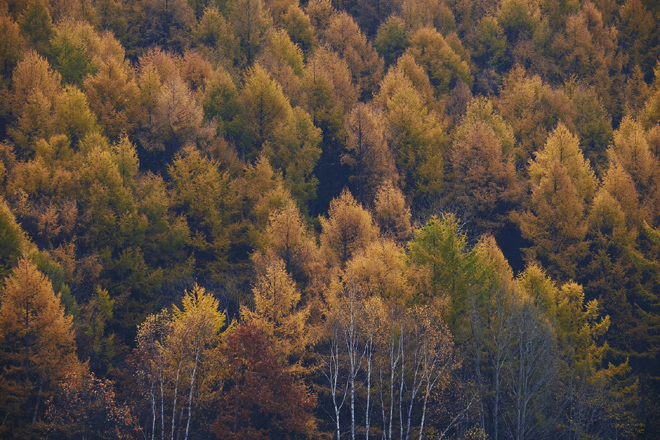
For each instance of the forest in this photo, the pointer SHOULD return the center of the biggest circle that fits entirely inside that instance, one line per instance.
(330, 219)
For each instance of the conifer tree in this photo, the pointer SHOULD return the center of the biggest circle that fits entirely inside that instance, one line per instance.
(37, 347)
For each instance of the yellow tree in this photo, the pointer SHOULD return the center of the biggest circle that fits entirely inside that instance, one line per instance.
(278, 314)
(283, 59)
(379, 270)
(344, 36)
(265, 108)
(564, 147)
(368, 153)
(483, 180)
(12, 239)
(532, 108)
(209, 200)
(444, 66)
(632, 152)
(195, 336)
(288, 238)
(250, 22)
(391, 212)
(175, 361)
(37, 347)
(562, 184)
(348, 229)
(418, 138)
(110, 93)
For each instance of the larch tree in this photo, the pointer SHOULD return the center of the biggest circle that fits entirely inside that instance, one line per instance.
(250, 22)
(483, 181)
(418, 138)
(110, 93)
(368, 153)
(330, 95)
(344, 36)
(265, 108)
(391, 39)
(532, 109)
(288, 237)
(38, 347)
(391, 213)
(349, 228)
(210, 218)
(299, 27)
(278, 314)
(632, 152)
(562, 184)
(12, 240)
(440, 249)
(444, 66)
(379, 270)
(283, 59)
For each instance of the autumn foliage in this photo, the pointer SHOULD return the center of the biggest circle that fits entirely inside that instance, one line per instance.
(279, 219)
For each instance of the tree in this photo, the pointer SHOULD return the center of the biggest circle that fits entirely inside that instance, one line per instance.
(391, 213)
(286, 136)
(392, 39)
(491, 50)
(250, 23)
(72, 48)
(530, 371)
(349, 228)
(177, 119)
(519, 19)
(38, 347)
(379, 271)
(209, 217)
(344, 36)
(368, 153)
(35, 90)
(12, 47)
(593, 125)
(439, 248)
(418, 138)
(443, 65)
(72, 115)
(283, 59)
(215, 37)
(532, 108)
(163, 23)
(288, 238)
(12, 240)
(260, 399)
(330, 95)
(37, 25)
(278, 315)
(175, 359)
(633, 153)
(483, 181)
(87, 408)
(564, 147)
(265, 108)
(110, 94)
(300, 29)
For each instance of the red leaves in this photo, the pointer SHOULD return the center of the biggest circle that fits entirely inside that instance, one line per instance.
(260, 400)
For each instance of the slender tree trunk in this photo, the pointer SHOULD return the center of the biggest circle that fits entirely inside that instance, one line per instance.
(367, 419)
(401, 383)
(190, 395)
(153, 411)
(176, 391)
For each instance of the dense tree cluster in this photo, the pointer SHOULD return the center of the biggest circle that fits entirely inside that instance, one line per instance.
(273, 219)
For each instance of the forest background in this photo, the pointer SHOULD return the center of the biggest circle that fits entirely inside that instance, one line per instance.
(277, 219)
